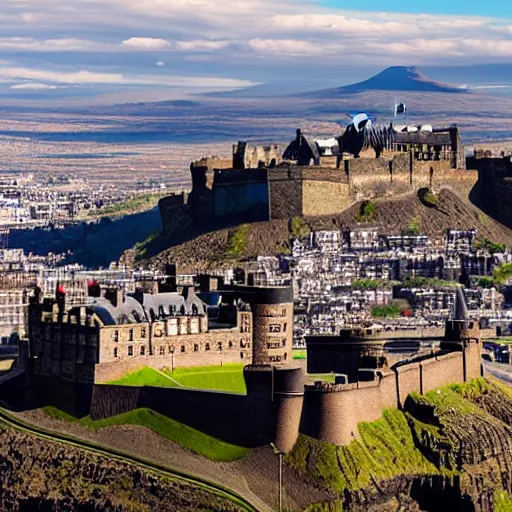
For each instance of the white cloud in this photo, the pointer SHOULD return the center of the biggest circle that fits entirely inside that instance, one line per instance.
(290, 47)
(201, 45)
(85, 77)
(34, 86)
(48, 45)
(146, 43)
(160, 63)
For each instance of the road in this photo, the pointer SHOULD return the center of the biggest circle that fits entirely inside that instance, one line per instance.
(13, 422)
(500, 371)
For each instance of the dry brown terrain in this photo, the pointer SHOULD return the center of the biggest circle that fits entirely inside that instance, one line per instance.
(391, 217)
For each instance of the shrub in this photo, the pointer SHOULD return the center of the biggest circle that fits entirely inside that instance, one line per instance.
(427, 197)
(237, 241)
(490, 246)
(299, 228)
(366, 212)
(414, 226)
(502, 273)
(394, 308)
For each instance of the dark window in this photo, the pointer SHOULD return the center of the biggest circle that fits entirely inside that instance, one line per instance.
(143, 332)
(183, 348)
(284, 327)
(130, 335)
(130, 351)
(162, 351)
(230, 344)
(196, 348)
(207, 347)
(116, 335)
(241, 355)
(142, 350)
(219, 345)
(115, 352)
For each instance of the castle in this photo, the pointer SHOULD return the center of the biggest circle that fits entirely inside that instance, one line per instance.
(112, 335)
(259, 183)
(73, 353)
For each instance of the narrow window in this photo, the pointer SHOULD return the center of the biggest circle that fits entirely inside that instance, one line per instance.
(116, 352)
(143, 332)
(183, 348)
(207, 347)
(142, 350)
(162, 351)
(196, 348)
(130, 335)
(130, 351)
(116, 335)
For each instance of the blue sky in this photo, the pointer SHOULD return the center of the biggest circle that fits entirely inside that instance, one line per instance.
(82, 47)
(494, 8)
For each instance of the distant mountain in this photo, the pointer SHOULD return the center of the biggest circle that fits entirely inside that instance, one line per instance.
(397, 78)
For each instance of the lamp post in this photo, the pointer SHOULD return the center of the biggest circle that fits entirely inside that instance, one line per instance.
(275, 449)
(172, 359)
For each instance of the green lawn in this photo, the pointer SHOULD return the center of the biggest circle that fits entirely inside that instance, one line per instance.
(228, 377)
(299, 353)
(145, 377)
(186, 436)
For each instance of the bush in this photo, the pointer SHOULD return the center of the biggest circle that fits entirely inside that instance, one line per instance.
(485, 282)
(414, 226)
(502, 273)
(237, 242)
(298, 228)
(394, 308)
(490, 246)
(427, 197)
(366, 212)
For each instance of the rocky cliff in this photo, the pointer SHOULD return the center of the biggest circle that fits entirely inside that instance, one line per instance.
(36, 474)
(448, 450)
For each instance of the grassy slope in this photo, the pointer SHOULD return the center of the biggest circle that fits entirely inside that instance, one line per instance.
(387, 447)
(189, 438)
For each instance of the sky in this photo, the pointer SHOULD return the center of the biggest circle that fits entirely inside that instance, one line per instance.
(56, 48)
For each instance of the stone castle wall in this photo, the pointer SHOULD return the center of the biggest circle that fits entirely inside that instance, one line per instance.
(285, 192)
(495, 187)
(332, 412)
(277, 406)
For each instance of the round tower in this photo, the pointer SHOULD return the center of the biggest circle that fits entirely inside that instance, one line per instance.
(288, 396)
(272, 310)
